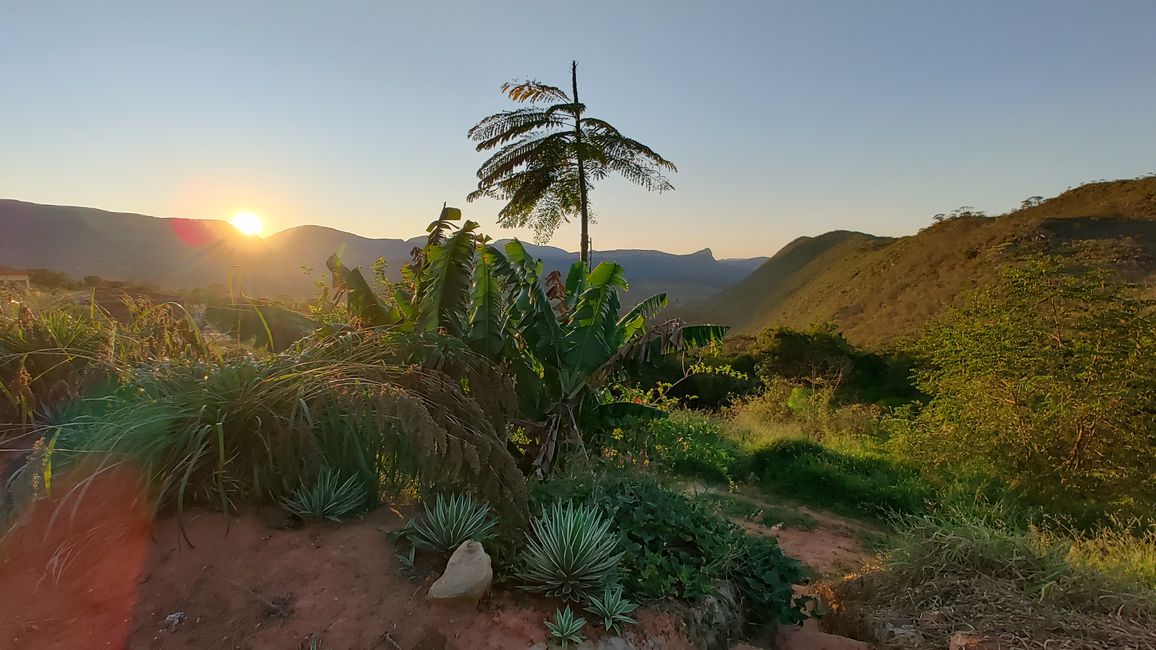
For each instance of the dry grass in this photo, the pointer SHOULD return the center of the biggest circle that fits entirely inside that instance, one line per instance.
(1030, 589)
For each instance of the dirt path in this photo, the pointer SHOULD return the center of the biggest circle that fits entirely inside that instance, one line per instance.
(828, 543)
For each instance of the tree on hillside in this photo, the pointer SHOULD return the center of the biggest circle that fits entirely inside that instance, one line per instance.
(549, 152)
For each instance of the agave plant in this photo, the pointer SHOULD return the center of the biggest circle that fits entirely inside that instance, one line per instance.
(451, 522)
(571, 552)
(565, 628)
(327, 498)
(612, 607)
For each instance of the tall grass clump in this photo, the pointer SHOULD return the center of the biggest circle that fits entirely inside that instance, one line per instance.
(51, 355)
(1032, 586)
(251, 430)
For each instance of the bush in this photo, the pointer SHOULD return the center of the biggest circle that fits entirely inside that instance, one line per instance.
(677, 548)
(684, 443)
(251, 431)
(571, 552)
(851, 480)
(1046, 379)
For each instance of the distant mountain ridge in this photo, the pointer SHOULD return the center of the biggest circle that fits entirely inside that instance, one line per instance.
(174, 253)
(879, 288)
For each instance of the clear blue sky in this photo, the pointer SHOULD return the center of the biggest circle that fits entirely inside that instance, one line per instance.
(784, 118)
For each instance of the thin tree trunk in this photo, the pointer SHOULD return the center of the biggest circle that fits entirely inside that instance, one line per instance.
(585, 249)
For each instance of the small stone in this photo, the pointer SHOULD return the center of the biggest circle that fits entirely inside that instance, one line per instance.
(467, 576)
(173, 620)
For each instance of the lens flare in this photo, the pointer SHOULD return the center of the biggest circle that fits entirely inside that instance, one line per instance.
(247, 223)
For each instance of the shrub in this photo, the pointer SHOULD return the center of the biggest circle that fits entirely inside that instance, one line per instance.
(451, 523)
(849, 480)
(683, 443)
(677, 548)
(328, 497)
(613, 608)
(571, 552)
(248, 430)
(565, 628)
(843, 473)
(1047, 379)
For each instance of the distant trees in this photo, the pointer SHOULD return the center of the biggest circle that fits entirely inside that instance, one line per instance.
(961, 212)
(1031, 202)
(549, 152)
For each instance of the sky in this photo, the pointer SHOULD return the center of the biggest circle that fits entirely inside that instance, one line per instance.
(784, 118)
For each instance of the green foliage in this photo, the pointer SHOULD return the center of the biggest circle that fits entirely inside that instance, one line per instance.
(248, 430)
(684, 443)
(1046, 379)
(1104, 570)
(570, 553)
(451, 523)
(50, 356)
(566, 628)
(261, 323)
(677, 548)
(613, 608)
(821, 358)
(853, 480)
(328, 497)
(764, 576)
(49, 279)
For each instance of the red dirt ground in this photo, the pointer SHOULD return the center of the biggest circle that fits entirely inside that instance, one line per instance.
(249, 584)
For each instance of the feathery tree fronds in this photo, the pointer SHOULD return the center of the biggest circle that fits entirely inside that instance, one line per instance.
(547, 155)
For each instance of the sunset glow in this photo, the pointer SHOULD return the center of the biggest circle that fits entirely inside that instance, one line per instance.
(247, 223)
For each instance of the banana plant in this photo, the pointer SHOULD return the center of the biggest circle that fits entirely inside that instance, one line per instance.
(563, 340)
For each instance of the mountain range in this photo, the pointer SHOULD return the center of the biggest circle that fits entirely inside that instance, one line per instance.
(175, 254)
(879, 288)
(874, 288)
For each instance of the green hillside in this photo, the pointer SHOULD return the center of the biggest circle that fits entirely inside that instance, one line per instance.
(876, 288)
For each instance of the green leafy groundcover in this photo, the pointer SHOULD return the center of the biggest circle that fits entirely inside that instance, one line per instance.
(676, 548)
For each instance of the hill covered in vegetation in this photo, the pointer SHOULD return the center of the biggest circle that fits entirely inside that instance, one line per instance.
(877, 288)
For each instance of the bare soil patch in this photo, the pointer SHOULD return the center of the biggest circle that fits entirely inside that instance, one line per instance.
(248, 583)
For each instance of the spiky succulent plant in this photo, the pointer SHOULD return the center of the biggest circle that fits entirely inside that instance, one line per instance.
(451, 522)
(566, 628)
(327, 498)
(612, 607)
(571, 552)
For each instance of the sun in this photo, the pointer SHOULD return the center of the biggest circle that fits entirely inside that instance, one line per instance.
(247, 223)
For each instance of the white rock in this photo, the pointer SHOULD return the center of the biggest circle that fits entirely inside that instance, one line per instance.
(467, 576)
